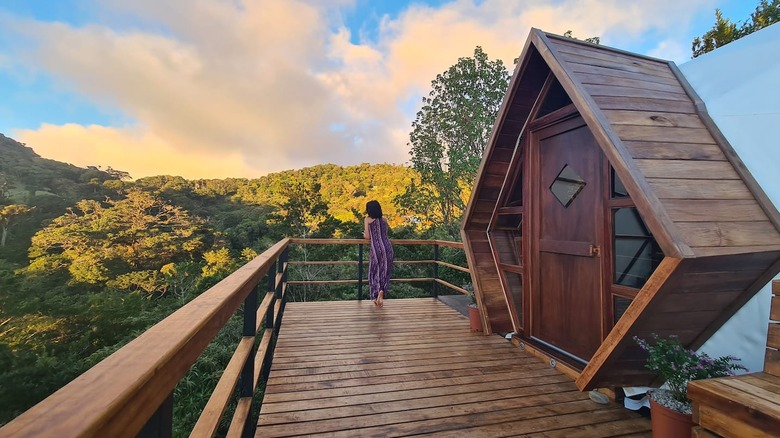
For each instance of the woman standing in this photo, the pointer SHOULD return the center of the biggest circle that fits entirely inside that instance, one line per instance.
(380, 264)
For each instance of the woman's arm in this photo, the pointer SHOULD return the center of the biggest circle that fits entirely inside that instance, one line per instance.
(366, 234)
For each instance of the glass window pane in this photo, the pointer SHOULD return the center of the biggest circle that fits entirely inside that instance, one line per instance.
(636, 253)
(515, 284)
(618, 190)
(567, 185)
(509, 221)
(621, 304)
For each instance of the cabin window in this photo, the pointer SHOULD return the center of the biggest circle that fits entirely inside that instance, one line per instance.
(567, 185)
(516, 198)
(636, 253)
(555, 99)
(509, 222)
(617, 188)
(515, 283)
(620, 306)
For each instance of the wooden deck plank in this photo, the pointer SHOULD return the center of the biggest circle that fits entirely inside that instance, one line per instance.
(413, 367)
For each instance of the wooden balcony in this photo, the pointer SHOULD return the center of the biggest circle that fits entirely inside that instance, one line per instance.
(341, 368)
(413, 367)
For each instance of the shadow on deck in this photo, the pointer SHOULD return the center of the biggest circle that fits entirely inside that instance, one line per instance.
(413, 367)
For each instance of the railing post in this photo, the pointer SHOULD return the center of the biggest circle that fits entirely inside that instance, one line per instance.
(360, 271)
(248, 371)
(160, 424)
(435, 270)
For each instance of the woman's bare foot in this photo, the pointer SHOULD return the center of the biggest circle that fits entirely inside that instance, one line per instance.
(380, 299)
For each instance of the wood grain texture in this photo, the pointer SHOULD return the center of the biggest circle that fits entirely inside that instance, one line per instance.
(667, 188)
(674, 151)
(398, 375)
(747, 405)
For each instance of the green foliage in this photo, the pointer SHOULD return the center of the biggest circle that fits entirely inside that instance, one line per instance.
(122, 244)
(98, 259)
(677, 365)
(592, 40)
(449, 135)
(725, 31)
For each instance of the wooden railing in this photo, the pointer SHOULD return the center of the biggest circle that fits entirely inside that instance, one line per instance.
(130, 393)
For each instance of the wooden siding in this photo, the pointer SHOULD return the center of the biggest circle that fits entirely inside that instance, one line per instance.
(413, 367)
(659, 124)
(691, 299)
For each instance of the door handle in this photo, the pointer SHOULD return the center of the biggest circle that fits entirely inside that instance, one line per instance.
(594, 250)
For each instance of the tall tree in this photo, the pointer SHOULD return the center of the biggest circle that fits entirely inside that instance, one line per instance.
(8, 215)
(450, 133)
(725, 31)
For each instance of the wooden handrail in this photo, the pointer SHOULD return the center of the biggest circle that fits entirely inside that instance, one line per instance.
(120, 394)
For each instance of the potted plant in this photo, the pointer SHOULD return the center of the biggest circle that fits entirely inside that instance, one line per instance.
(475, 320)
(670, 409)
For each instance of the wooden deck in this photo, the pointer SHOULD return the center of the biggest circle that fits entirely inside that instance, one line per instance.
(350, 369)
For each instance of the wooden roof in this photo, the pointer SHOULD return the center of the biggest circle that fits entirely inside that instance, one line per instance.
(691, 189)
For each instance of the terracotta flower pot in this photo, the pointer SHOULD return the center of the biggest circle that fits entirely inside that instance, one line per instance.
(668, 423)
(475, 320)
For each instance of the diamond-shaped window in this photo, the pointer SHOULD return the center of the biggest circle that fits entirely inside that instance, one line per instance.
(567, 185)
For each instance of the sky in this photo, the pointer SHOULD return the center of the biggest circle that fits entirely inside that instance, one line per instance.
(232, 88)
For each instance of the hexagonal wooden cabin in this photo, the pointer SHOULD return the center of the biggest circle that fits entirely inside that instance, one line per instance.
(608, 205)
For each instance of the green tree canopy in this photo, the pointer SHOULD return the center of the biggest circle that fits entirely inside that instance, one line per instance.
(450, 133)
(725, 31)
(124, 242)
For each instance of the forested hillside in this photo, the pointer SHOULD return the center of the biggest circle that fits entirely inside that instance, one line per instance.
(91, 258)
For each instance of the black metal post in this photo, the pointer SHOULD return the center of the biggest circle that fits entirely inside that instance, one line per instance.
(360, 271)
(160, 424)
(248, 370)
(435, 270)
(250, 329)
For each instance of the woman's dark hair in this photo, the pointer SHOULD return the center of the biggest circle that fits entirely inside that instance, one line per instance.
(373, 209)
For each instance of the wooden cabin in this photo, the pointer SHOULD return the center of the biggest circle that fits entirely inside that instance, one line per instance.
(609, 205)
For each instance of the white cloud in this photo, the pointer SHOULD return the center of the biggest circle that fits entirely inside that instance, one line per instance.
(260, 85)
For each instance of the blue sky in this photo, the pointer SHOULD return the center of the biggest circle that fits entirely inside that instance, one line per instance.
(215, 89)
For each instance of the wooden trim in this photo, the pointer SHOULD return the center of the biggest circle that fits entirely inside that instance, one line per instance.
(739, 166)
(584, 249)
(776, 287)
(567, 370)
(240, 416)
(331, 282)
(147, 369)
(656, 217)
(611, 347)
(260, 355)
(600, 47)
(494, 133)
(324, 262)
(511, 268)
(210, 417)
(452, 286)
(486, 328)
(300, 241)
(450, 265)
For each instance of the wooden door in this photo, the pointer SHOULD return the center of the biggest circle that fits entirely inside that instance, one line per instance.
(566, 292)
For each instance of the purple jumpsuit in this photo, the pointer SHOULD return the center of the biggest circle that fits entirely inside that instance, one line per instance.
(380, 264)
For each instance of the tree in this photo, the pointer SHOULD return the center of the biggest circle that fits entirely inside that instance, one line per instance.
(449, 135)
(122, 244)
(725, 31)
(8, 216)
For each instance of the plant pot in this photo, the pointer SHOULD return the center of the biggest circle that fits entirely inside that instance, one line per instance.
(668, 423)
(475, 320)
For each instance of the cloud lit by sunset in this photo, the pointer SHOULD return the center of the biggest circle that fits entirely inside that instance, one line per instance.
(217, 89)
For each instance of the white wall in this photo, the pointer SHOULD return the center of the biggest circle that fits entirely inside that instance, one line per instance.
(740, 85)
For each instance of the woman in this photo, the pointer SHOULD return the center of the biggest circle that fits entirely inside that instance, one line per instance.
(380, 264)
